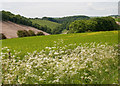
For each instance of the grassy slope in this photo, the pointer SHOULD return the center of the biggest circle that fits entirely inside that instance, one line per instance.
(30, 44)
(50, 24)
(117, 19)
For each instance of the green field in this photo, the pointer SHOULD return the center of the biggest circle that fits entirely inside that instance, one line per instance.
(49, 24)
(81, 58)
(117, 19)
(30, 44)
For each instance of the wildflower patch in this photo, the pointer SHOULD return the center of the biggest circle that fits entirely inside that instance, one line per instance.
(88, 63)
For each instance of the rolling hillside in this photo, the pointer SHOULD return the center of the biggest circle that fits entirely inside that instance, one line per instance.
(10, 29)
(49, 24)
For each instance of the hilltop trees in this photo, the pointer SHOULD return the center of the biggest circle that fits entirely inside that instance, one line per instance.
(94, 24)
(105, 24)
(82, 26)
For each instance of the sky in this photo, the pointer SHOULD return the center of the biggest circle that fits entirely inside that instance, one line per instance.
(60, 0)
(60, 8)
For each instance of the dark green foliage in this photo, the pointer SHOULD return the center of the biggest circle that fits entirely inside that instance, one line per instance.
(58, 30)
(49, 18)
(2, 36)
(105, 24)
(8, 16)
(40, 33)
(31, 33)
(65, 19)
(94, 24)
(22, 33)
(47, 29)
(25, 33)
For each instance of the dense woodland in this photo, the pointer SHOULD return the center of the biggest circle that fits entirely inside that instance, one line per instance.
(94, 24)
(73, 24)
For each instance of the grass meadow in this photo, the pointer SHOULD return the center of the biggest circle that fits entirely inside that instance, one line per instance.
(80, 58)
(30, 44)
(49, 24)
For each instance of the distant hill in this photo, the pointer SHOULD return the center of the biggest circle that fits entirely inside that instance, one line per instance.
(50, 24)
(66, 19)
(9, 29)
(116, 16)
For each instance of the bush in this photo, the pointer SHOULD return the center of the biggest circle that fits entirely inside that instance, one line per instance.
(2, 36)
(22, 33)
(31, 33)
(25, 33)
(40, 33)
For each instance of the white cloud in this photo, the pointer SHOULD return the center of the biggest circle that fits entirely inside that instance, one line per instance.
(58, 9)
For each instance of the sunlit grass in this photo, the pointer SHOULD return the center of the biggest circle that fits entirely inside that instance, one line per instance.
(30, 44)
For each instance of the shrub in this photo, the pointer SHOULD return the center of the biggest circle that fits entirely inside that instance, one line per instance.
(31, 33)
(2, 36)
(26, 33)
(40, 33)
(22, 33)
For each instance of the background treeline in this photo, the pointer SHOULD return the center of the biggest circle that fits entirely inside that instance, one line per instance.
(65, 19)
(8, 16)
(94, 24)
(64, 22)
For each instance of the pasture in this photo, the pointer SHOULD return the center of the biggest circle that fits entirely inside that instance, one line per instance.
(30, 44)
(49, 24)
(81, 58)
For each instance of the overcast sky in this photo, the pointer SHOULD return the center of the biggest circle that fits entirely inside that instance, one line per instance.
(60, 8)
(60, 0)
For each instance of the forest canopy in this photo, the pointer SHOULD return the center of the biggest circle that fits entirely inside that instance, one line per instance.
(94, 24)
